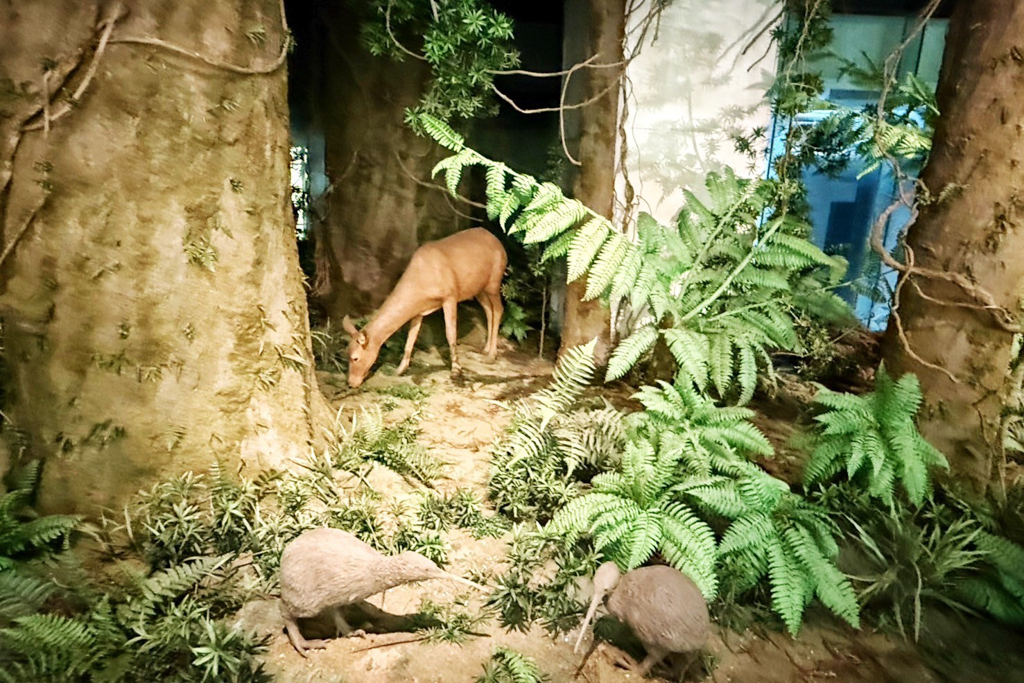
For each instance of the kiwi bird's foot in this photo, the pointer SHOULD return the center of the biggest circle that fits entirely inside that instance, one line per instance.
(624, 661)
(358, 633)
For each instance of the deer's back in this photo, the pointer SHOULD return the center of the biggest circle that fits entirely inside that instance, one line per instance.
(324, 568)
(462, 265)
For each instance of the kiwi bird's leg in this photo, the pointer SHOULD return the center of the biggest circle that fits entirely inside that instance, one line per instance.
(298, 642)
(342, 628)
(686, 664)
(653, 657)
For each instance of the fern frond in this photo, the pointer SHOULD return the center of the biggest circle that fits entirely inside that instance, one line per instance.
(585, 246)
(629, 350)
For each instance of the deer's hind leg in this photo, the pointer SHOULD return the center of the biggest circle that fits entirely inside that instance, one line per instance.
(485, 302)
(451, 329)
(497, 309)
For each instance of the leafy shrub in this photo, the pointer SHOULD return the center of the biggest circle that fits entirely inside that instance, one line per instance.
(907, 556)
(875, 440)
(460, 508)
(636, 512)
(370, 440)
(162, 627)
(685, 474)
(532, 468)
(464, 43)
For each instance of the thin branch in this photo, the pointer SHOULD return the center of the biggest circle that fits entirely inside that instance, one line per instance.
(403, 641)
(547, 74)
(764, 29)
(403, 48)
(543, 110)
(216, 63)
(436, 186)
(1001, 316)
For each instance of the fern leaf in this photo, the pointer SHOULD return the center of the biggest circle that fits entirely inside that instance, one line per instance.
(691, 351)
(629, 351)
(442, 133)
(606, 265)
(585, 246)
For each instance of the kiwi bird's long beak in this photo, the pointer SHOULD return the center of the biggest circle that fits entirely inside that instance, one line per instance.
(459, 579)
(586, 620)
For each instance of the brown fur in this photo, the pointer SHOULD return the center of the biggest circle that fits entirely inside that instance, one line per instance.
(469, 264)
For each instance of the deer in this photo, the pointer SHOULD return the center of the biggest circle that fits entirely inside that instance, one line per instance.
(469, 264)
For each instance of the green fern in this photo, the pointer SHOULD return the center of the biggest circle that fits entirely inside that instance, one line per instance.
(508, 666)
(633, 513)
(791, 543)
(22, 533)
(719, 275)
(874, 440)
(999, 588)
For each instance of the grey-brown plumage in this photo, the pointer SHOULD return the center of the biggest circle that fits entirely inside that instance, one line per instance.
(326, 569)
(665, 609)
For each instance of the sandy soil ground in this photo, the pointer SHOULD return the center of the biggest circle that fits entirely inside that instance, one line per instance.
(459, 424)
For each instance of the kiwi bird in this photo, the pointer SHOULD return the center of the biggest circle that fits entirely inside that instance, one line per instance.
(326, 569)
(665, 609)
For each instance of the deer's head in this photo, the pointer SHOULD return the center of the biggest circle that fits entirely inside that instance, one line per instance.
(361, 354)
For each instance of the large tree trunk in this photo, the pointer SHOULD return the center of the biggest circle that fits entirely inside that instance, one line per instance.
(592, 27)
(379, 209)
(154, 312)
(975, 231)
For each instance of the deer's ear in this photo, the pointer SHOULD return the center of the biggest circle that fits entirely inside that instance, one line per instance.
(346, 324)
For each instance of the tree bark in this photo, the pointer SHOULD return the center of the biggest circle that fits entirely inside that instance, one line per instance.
(378, 210)
(602, 24)
(975, 231)
(154, 312)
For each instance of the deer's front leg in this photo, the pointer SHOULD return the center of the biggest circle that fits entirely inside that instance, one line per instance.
(452, 332)
(414, 331)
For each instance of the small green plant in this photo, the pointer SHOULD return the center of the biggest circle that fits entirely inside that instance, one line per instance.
(875, 440)
(541, 582)
(460, 508)
(406, 392)
(448, 623)
(508, 666)
(906, 557)
(370, 440)
(24, 534)
(330, 350)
